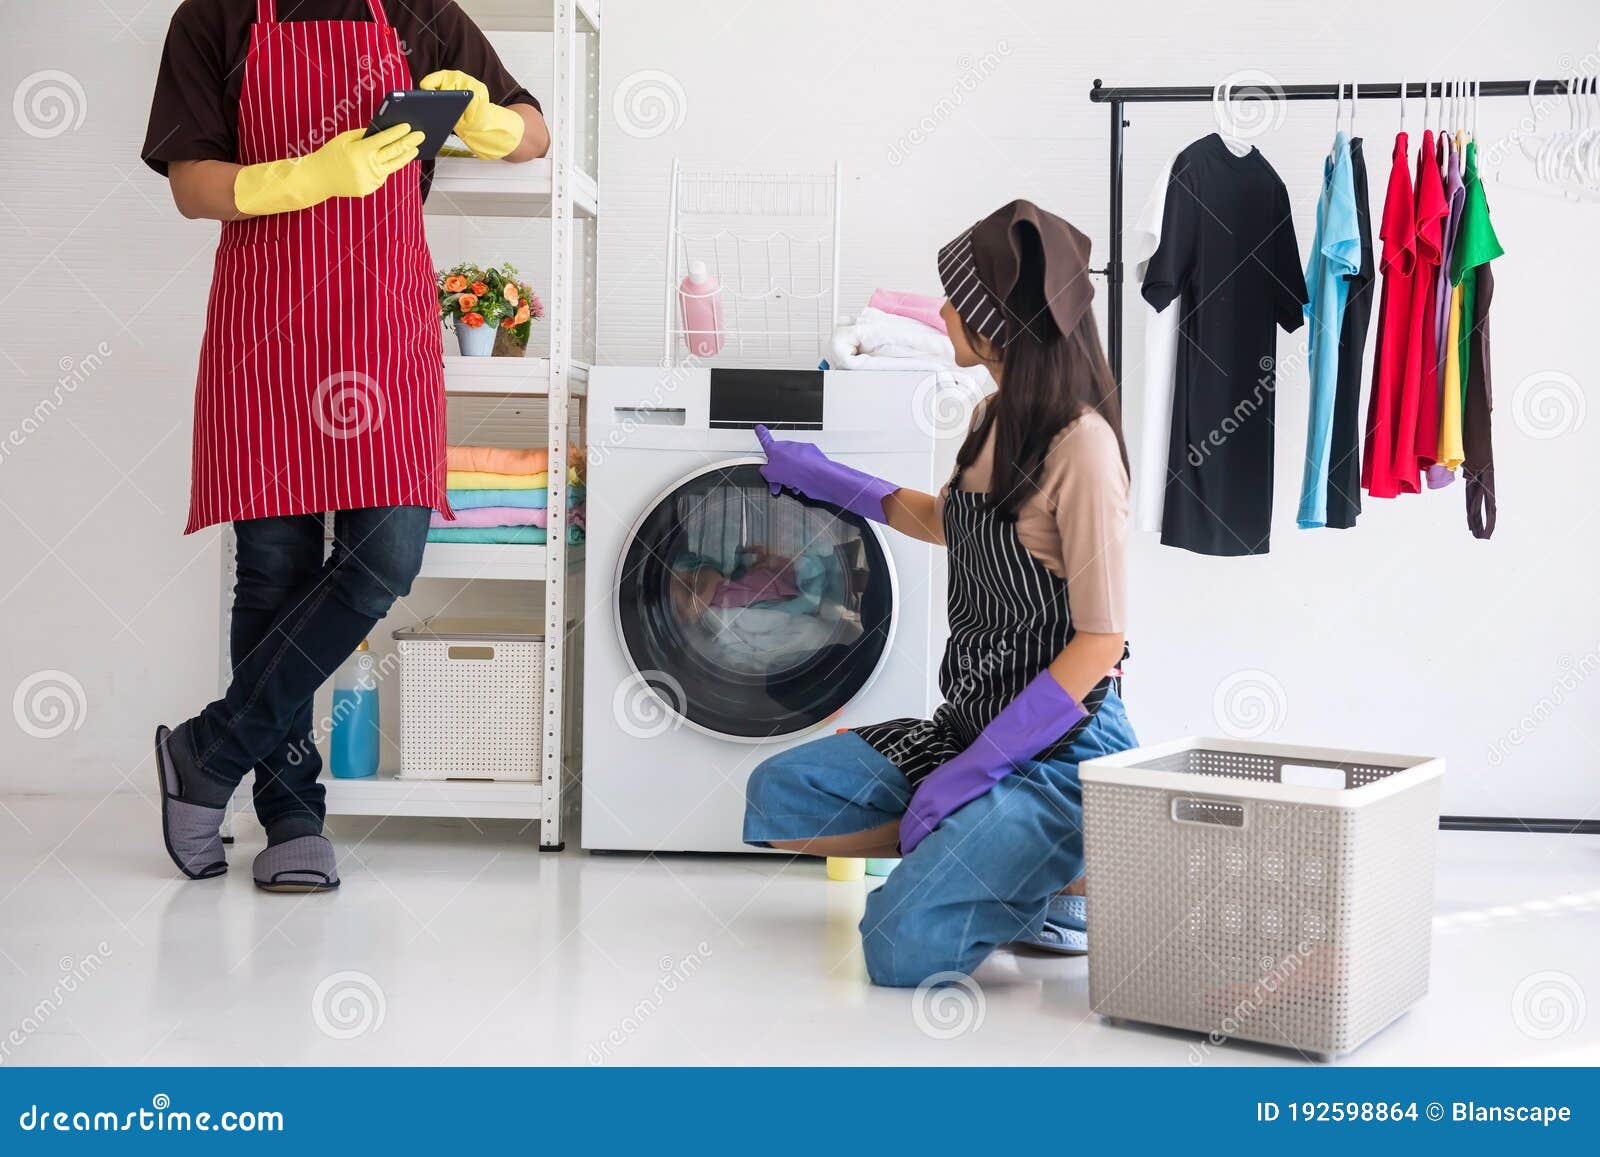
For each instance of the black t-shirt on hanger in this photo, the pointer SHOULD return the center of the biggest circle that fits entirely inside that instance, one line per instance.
(1228, 255)
(1344, 455)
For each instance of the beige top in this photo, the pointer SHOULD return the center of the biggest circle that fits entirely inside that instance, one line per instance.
(1076, 523)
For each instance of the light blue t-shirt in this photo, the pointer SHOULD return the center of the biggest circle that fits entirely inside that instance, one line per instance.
(1335, 255)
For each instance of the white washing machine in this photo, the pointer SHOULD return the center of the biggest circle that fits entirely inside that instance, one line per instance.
(724, 623)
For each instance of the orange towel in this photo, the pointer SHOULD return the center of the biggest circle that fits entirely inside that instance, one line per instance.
(500, 460)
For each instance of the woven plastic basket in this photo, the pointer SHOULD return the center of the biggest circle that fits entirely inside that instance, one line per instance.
(471, 692)
(1260, 891)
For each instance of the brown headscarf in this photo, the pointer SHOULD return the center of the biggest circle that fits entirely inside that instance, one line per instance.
(980, 268)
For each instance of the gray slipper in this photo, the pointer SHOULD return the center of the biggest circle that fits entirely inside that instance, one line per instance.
(303, 864)
(191, 831)
(1066, 927)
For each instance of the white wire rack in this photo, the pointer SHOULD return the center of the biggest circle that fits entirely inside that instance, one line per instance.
(771, 239)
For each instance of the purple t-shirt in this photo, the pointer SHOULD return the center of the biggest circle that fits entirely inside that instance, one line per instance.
(1456, 198)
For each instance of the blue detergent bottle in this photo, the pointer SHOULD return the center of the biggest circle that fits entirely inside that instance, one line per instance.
(355, 738)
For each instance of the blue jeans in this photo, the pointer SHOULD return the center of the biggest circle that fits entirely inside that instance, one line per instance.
(982, 879)
(296, 617)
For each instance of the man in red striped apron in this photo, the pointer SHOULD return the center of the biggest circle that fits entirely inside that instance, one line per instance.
(321, 376)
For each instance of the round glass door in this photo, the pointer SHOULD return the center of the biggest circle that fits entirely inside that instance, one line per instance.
(753, 615)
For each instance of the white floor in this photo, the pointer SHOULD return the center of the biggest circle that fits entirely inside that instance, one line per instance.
(459, 943)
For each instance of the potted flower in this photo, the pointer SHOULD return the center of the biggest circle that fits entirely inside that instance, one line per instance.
(483, 301)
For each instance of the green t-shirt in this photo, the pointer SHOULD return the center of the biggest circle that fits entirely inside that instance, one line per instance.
(1476, 244)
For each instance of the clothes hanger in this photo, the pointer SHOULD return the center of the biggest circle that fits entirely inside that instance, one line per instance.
(1583, 160)
(1591, 162)
(1555, 156)
(1404, 88)
(1541, 160)
(1355, 95)
(1228, 128)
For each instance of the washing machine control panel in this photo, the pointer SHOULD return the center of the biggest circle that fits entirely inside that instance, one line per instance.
(778, 399)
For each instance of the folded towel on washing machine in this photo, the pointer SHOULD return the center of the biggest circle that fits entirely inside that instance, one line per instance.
(916, 306)
(878, 340)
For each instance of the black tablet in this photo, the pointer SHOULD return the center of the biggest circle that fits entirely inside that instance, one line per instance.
(433, 113)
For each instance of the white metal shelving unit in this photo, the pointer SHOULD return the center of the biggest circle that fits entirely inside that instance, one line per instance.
(562, 191)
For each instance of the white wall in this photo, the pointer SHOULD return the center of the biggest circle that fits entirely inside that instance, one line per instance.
(1404, 634)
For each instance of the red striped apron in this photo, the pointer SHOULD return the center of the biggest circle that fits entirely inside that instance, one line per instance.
(321, 383)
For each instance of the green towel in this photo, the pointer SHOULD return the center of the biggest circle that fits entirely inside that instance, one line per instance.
(524, 535)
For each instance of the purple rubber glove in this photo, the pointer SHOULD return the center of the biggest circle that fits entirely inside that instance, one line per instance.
(1031, 722)
(801, 466)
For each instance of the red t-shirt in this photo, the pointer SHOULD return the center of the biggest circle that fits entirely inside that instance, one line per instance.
(1398, 234)
(1422, 344)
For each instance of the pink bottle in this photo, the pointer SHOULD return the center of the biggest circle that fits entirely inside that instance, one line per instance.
(700, 302)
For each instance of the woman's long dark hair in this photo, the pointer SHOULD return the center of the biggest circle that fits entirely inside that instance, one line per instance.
(1048, 381)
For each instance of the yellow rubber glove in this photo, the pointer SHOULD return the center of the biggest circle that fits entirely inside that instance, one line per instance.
(489, 130)
(349, 165)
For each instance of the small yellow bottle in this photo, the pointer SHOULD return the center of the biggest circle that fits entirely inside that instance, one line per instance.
(846, 868)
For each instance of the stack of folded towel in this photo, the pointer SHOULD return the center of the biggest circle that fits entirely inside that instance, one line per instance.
(897, 331)
(501, 495)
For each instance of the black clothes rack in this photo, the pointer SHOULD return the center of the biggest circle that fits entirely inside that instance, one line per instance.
(1119, 97)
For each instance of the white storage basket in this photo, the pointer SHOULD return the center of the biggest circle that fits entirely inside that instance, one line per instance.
(1259, 891)
(471, 694)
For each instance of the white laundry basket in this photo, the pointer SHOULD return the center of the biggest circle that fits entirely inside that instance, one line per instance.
(471, 692)
(1259, 891)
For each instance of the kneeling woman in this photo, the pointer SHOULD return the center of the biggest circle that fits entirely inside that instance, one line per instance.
(983, 799)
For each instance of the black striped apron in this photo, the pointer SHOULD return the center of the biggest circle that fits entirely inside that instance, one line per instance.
(1008, 622)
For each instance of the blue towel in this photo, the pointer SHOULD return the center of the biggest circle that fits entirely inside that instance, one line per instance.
(532, 499)
(525, 535)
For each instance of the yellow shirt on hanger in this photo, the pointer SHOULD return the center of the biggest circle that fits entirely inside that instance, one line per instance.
(1451, 453)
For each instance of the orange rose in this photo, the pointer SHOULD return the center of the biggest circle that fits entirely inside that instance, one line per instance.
(511, 293)
(455, 283)
(522, 316)
(508, 324)
(479, 288)
(466, 301)
(473, 320)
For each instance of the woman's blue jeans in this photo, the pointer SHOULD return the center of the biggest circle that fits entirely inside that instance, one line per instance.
(982, 879)
(296, 617)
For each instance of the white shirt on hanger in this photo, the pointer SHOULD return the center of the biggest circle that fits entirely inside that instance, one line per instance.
(1160, 364)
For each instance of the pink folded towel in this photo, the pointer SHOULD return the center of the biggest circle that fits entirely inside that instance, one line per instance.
(916, 306)
(485, 516)
(491, 516)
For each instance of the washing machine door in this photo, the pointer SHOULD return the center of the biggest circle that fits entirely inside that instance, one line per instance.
(753, 615)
